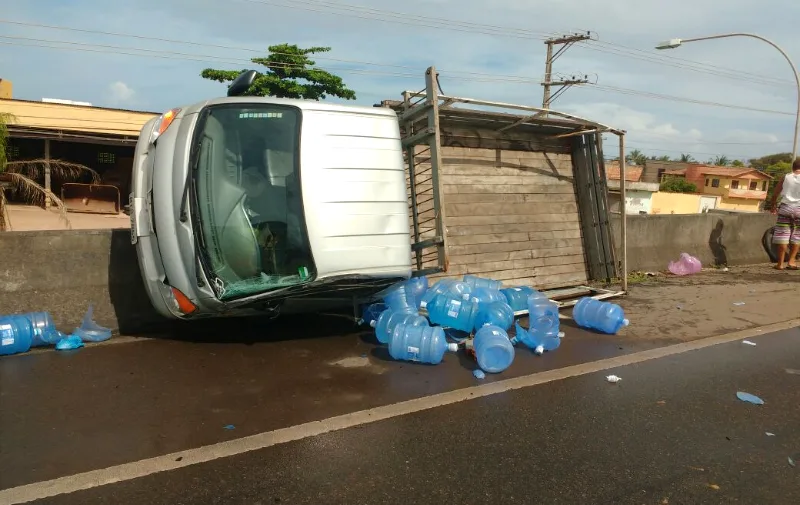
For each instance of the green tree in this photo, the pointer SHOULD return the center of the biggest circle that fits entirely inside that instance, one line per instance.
(776, 171)
(686, 158)
(20, 176)
(769, 160)
(737, 163)
(290, 74)
(721, 161)
(677, 185)
(636, 157)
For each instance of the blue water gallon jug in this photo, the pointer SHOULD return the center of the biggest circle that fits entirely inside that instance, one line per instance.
(517, 298)
(538, 341)
(486, 295)
(418, 285)
(44, 329)
(480, 282)
(598, 315)
(16, 335)
(457, 313)
(400, 298)
(493, 349)
(389, 319)
(437, 289)
(424, 344)
(495, 313)
(542, 315)
(372, 312)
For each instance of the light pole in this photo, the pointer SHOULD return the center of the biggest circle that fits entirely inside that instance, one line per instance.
(673, 43)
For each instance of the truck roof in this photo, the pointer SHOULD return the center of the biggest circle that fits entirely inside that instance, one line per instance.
(301, 104)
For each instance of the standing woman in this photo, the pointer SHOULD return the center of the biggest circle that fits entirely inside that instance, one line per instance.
(787, 230)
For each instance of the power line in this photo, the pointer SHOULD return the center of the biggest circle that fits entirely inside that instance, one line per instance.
(171, 55)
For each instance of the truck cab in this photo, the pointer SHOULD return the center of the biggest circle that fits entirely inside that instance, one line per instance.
(252, 205)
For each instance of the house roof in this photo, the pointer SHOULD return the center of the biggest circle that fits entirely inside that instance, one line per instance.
(732, 171)
(632, 173)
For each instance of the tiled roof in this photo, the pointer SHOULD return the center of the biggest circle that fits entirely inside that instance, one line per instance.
(731, 171)
(632, 173)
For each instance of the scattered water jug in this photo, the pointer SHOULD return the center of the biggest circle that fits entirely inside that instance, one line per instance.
(437, 289)
(90, 331)
(543, 315)
(424, 344)
(686, 265)
(598, 315)
(372, 313)
(44, 329)
(418, 285)
(479, 282)
(486, 295)
(457, 313)
(493, 349)
(517, 298)
(16, 335)
(389, 319)
(496, 314)
(538, 341)
(400, 298)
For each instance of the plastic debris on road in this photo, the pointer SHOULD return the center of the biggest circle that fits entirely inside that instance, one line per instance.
(792, 462)
(792, 371)
(90, 331)
(613, 379)
(69, 343)
(738, 304)
(685, 265)
(229, 427)
(747, 342)
(749, 398)
(478, 373)
(769, 434)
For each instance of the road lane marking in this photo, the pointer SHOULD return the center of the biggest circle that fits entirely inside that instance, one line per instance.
(134, 470)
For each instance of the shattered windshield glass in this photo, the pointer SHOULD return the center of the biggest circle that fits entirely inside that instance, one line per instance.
(248, 198)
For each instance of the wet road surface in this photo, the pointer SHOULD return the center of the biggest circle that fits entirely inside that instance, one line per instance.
(671, 429)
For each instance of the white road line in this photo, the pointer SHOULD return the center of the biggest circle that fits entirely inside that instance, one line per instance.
(145, 467)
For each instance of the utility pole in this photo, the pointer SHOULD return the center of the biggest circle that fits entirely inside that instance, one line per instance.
(565, 42)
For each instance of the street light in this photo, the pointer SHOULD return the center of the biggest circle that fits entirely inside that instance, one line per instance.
(674, 43)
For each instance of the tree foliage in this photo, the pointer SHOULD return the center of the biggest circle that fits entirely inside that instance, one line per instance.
(677, 185)
(686, 158)
(5, 120)
(769, 160)
(290, 73)
(636, 157)
(737, 163)
(720, 161)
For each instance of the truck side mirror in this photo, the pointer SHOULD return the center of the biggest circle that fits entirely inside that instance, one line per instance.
(242, 83)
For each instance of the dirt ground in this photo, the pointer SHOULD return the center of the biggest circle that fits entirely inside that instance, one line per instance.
(710, 303)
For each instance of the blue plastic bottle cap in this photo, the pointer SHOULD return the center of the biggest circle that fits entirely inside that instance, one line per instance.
(625, 322)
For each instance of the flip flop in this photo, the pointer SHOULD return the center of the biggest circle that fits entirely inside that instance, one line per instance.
(792, 267)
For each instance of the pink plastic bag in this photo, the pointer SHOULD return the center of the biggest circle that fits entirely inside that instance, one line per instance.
(686, 265)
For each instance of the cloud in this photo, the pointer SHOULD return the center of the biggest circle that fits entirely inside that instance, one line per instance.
(120, 93)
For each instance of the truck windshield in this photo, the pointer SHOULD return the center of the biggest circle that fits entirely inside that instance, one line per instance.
(248, 199)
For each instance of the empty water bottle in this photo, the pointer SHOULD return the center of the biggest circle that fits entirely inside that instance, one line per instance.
(372, 313)
(425, 344)
(493, 349)
(440, 287)
(495, 313)
(452, 312)
(479, 282)
(542, 315)
(686, 265)
(517, 298)
(486, 295)
(389, 319)
(539, 342)
(16, 335)
(418, 285)
(598, 315)
(400, 299)
(44, 329)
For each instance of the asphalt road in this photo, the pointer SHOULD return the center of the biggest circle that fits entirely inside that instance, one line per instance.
(672, 431)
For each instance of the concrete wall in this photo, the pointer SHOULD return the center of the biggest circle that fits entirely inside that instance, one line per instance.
(675, 203)
(64, 271)
(716, 237)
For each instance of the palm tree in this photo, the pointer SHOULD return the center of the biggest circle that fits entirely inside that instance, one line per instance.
(664, 158)
(722, 161)
(21, 176)
(687, 158)
(637, 157)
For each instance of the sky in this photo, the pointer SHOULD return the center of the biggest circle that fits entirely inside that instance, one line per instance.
(663, 99)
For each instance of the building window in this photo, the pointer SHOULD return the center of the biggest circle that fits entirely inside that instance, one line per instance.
(707, 182)
(764, 186)
(714, 183)
(753, 185)
(734, 184)
(106, 158)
